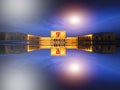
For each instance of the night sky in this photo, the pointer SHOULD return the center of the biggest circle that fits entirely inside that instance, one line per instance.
(102, 71)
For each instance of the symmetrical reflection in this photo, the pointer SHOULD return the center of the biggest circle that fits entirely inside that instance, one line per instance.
(15, 43)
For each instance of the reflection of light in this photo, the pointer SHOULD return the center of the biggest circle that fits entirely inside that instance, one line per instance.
(28, 48)
(74, 68)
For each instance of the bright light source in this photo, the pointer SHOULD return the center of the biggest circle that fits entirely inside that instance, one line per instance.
(74, 71)
(74, 17)
(74, 20)
(74, 68)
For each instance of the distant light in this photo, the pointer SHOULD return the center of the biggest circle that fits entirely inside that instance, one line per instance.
(74, 20)
(74, 68)
(76, 17)
(77, 20)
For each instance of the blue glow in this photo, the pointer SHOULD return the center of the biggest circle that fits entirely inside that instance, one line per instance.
(103, 66)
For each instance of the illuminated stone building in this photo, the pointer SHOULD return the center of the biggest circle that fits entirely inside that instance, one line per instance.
(12, 36)
(59, 42)
(85, 43)
(99, 42)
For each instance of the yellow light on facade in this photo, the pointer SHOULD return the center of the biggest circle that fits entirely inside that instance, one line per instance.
(28, 37)
(28, 48)
(89, 50)
(58, 43)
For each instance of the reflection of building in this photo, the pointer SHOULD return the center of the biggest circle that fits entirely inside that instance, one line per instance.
(58, 43)
(104, 42)
(12, 49)
(16, 49)
(99, 42)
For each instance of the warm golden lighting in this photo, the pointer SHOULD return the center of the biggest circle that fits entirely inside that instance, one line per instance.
(58, 43)
(28, 37)
(90, 36)
(31, 48)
